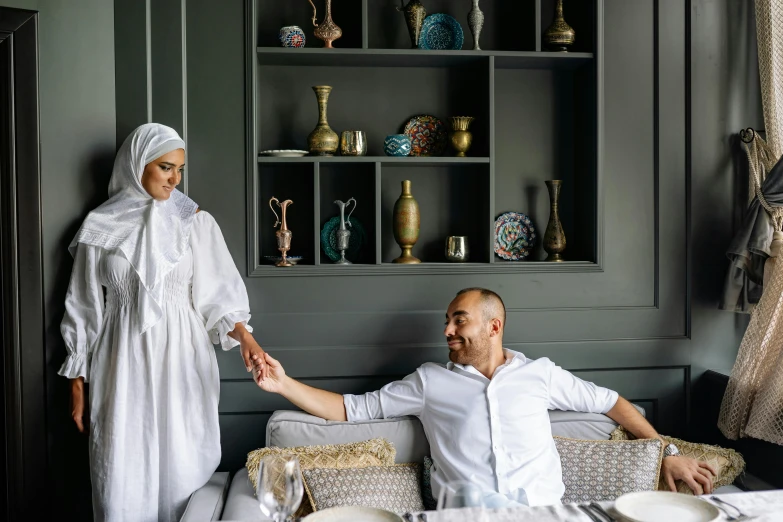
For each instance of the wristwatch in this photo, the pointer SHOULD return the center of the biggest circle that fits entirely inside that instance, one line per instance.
(671, 451)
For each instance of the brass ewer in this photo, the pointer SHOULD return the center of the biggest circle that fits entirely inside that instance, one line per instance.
(326, 30)
(284, 234)
(414, 16)
(559, 36)
(554, 237)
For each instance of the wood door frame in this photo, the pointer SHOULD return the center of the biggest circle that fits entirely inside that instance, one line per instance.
(21, 265)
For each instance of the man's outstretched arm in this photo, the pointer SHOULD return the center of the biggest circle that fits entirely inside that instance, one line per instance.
(321, 403)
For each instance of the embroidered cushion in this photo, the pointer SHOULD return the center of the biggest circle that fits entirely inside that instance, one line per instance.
(727, 462)
(373, 452)
(393, 488)
(596, 470)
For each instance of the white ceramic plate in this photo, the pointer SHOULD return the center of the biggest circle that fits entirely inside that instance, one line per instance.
(653, 506)
(352, 514)
(284, 153)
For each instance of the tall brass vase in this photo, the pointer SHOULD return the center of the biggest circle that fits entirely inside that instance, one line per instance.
(323, 140)
(407, 221)
(554, 237)
(559, 36)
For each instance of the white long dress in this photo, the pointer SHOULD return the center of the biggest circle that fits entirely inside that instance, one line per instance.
(154, 436)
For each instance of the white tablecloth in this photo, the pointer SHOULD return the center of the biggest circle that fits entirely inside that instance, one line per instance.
(766, 505)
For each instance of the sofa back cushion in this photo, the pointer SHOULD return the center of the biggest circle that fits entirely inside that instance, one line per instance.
(296, 428)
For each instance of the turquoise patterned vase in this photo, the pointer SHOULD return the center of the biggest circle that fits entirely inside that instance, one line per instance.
(397, 145)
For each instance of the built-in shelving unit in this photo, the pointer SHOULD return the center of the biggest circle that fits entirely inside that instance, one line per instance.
(536, 119)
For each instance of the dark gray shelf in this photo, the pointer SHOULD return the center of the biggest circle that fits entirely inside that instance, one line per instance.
(418, 58)
(521, 267)
(411, 161)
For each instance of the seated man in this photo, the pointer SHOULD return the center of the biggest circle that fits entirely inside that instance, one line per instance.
(485, 412)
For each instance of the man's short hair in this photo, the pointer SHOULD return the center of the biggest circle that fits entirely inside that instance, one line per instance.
(490, 300)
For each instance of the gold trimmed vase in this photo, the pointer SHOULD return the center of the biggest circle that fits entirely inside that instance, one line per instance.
(407, 222)
(559, 36)
(323, 141)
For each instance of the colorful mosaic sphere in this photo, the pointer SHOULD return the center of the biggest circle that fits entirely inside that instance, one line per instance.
(397, 145)
(292, 36)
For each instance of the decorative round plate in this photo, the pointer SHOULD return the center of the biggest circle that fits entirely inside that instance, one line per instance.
(515, 236)
(329, 239)
(291, 259)
(352, 514)
(284, 153)
(441, 32)
(429, 135)
(649, 506)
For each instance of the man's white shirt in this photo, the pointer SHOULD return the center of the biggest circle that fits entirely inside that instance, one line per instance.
(494, 432)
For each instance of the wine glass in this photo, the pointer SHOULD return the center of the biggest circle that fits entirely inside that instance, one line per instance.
(458, 494)
(279, 491)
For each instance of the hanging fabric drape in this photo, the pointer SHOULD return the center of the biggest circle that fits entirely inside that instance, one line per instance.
(753, 403)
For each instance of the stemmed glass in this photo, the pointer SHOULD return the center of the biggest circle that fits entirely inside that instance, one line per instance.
(279, 491)
(458, 494)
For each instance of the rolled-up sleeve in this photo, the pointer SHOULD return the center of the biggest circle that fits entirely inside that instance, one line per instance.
(570, 393)
(396, 399)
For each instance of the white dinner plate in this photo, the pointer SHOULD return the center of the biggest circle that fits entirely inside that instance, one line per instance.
(284, 153)
(352, 514)
(653, 506)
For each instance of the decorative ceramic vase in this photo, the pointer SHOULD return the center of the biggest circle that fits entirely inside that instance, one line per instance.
(397, 145)
(291, 36)
(461, 138)
(559, 36)
(284, 234)
(476, 23)
(457, 249)
(353, 143)
(343, 234)
(326, 30)
(323, 140)
(407, 221)
(414, 16)
(554, 237)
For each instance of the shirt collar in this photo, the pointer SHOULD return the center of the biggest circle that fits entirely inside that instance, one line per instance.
(511, 356)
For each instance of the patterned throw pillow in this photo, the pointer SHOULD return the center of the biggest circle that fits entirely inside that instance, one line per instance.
(596, 470)
(373, 452)
(393, 488)
(727, 462)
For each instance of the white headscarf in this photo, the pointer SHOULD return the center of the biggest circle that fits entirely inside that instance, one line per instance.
(152, 235)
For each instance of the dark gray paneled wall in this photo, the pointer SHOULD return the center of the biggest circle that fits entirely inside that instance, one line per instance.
(77, 112)
(628, 326)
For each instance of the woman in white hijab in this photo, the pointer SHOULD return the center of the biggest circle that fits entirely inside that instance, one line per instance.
(146, 348)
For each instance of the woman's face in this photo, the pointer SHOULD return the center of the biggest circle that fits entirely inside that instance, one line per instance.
(163, 174)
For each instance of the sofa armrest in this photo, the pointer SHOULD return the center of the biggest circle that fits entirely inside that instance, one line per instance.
(206, 504)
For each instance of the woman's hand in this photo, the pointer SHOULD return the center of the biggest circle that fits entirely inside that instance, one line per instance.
(275, 376)
(78, 404)
(248, 347)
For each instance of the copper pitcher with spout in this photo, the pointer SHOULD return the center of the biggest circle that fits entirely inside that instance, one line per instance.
(284, 234)
(326, 30)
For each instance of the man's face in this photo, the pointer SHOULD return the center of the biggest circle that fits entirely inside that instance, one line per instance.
(467, 330)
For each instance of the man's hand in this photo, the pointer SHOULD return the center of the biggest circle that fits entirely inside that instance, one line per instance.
(697, 474)
(78, 404)
(272, 381)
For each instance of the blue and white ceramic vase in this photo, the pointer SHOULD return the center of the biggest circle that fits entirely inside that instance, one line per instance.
(397, 145)
(292, 36)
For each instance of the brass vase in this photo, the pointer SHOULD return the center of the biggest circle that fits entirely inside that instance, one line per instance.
(559, 36)
(326, 30)
(323, 141)
(461, 138)
(414, 16)
(407, 221)
(554, 237)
